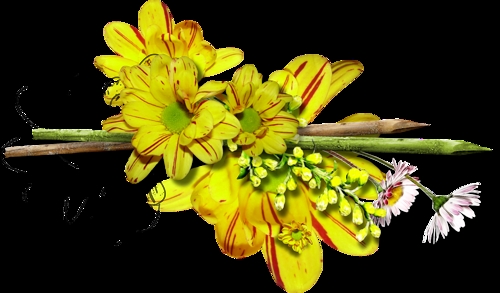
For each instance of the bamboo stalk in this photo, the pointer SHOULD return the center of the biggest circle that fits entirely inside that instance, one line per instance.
(386, 126)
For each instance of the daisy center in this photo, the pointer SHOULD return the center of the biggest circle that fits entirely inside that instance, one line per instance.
(176, 117)
(395, 195)
(296, 234)
(249, 120)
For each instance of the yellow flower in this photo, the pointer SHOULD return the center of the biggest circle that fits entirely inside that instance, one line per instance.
(172, 116)
(258, 106)
(159, 34)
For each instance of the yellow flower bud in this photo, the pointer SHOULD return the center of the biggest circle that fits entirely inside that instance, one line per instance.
(292, 161)
(261, 172)
(297, 171)
(291, 184)
(314, 158)
(312, 183)
(281, 188)
(306, 174)
(243, 161)
(352, 175)
(375, 230)
(357, 215)
(322, 202)
(380, 213)
(279, 202)
(295, 103)
(257, 161)
(369, 207)
(302, 122)
(231, 145)
(344, 207)
(255, 180)
(362, 234)
(363, 177)
(298, 152)
(336, 181)
(332, 196)
(271, 164)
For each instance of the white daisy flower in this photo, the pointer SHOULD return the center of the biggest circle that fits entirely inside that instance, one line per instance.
(398, 192)
(451, 209)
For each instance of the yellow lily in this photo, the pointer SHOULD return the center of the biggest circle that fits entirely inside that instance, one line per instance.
(159, 34)
(171, 116)
(258, 106)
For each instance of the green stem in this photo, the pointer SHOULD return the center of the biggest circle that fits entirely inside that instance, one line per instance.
(426, 190)
(367, 144)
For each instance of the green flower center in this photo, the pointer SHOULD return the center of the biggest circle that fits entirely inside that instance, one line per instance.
(296, 235)
(438, 201)
(249, 120)
(176, 117)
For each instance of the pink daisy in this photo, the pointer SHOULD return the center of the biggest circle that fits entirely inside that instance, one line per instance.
(398, 192)
(452, 210)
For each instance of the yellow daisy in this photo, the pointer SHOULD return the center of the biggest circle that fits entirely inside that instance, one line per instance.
(159, 34)
(172, 117)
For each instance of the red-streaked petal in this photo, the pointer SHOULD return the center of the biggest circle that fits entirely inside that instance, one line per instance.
(170, 45)
(283, 124)
(202, 202)
(162, 90)
(343, 73)
(125, 40)
(224, 186)
(110, 65)
(203, 54)
(210, 89)
(177, 158)
(227, 58)
(136, 77)
(204, 123)
(247, 74)
(175, 195)
(266, 101)
(273, 143)
(155, 12)
(206, 149)
(183, 74)
(138, 114)
(291, 271)
(151, 140)
(138, 167)
(234, 100)
(215, 108)
(130, 95)
(313, 75)
(117, 123)
(190, 31)
(227, 129)
(245, 138)
(260, 212)
(287, 82)
(160, 66)
(254, 149)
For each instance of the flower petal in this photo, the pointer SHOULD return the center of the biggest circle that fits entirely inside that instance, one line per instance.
(254, 149)
(162, 91)
(203, 54)
(343, 73)
(260, 212)
(171, 45)
(175, 195)
(203, 203)
(245, 138)
(117, 123)
(112, 94)
(283, 124)
(184, 79)
(204, 123)
(215, 108)
(110, 65)
(273, 143)
(234, 100)
(247, 74)
(125, 40)
(137, 114)
(210, 89)
(361, 117)
(129, 95)
(135, 77)
(287, 82)
(227, 58)
(151, 140)
(227, 129)
(138, 167)
(266, 102)
(155, 12)
(313, 75)
(206, 149)
(190, 31)
(177, 158)
(291, 271)
(224, 186)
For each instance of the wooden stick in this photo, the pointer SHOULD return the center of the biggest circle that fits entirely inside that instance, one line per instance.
(66, 148)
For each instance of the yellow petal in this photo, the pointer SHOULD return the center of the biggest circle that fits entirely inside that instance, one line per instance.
(172, 46)
(291, 271)
(110, 65)
(245, 138)
(224, 185)
(160, 66)
(313, 75)
(177, 158)
(138, 167)
(287, 82)
(227, 58)
(267, 103)
(203, 54)
(130, 95)
(254, 149)
(273, 143)
(135, 77)
(125, 40)
(117, 123)
(204, 123)
(155, 12)
(184, 79)
(260, 212)
(206, 149)
(175, 195)
(247, 74)
(210, 89)
(162, 91)
(360, 117)
(227, 129)
(215, 108)
(203, 203)
(138, 114)
(151, 140)
(283, 124)
(112, 94)
(190, 31)
(234, 100)
(343, 73)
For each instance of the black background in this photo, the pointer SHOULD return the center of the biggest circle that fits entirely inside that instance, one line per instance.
(422, 64)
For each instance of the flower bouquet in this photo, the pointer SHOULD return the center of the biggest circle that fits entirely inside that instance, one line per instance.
(271, 180)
